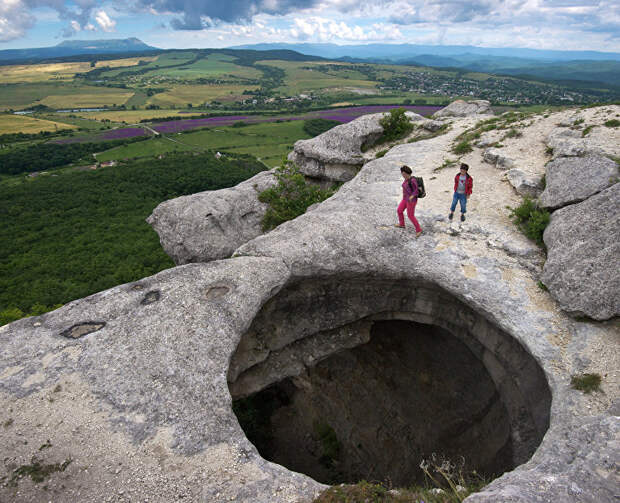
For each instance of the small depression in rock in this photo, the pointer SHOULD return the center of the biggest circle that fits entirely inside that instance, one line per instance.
(82, 329)
(151, 297)
(351, 379)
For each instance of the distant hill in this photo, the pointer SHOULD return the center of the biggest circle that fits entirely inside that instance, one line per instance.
(582, 66)
(76, 47)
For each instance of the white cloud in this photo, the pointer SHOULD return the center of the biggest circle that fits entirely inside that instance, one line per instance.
(75, 25)
(104, 21)
(15, 19)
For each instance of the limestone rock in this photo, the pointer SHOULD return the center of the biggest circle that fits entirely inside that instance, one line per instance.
(524, 184)
(583, 248)
(566, 143)
(498, 158)
(336, 155)
(461, 108)
(573, 179)
(432, 125)
(487, 139)
(210, 225)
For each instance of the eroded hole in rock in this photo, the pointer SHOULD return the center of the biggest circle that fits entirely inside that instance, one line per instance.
(362, 379)
(217, 292)
(82, 329)
(151, 297)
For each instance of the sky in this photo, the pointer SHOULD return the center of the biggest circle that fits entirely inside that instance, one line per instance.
(538, 24)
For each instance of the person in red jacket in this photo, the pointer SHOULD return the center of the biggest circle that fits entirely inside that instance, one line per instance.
(463, 186)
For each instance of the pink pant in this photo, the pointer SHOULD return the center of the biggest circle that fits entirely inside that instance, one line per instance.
(410, 205)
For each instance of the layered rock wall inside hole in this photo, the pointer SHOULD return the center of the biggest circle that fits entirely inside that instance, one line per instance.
(386, 371)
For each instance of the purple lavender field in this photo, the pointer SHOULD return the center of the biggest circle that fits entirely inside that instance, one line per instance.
(338, 114)
(342, 115)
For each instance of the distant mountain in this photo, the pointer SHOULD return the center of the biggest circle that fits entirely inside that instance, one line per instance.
(397, 52)
(76, 47)
(582, 66)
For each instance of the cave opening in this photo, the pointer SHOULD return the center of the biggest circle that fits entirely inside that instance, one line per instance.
(371, 392)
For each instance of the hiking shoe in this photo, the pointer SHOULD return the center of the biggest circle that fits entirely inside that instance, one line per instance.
(450, 215)
(462, 217)
(399, 226)
(418, 234)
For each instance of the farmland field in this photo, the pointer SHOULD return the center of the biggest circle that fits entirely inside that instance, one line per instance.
(181, 95)
(90, 98)
(41, 73)
(59, 95)
(269, 142)
(163, 60)
(305, 77)
(22, 124)
(131, 116)
(215, 65)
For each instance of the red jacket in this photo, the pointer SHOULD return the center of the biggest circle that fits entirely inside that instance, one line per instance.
(469, 184)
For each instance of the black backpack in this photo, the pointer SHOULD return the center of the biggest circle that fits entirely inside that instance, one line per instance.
(421, 189)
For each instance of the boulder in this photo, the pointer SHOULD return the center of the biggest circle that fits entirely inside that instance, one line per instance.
(336, 155)
(566, 143)
(461, 108)
(210, 225)
(432, 126)
(581, 271)
(525, 184)
(573, 179)
(487, 139)
(498, 158)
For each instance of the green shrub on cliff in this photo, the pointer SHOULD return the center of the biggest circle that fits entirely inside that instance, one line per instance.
(291, 196)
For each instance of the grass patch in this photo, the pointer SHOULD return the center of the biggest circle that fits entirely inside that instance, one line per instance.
(531, 219)
(381, 153)
(37, 471)
(291, 196)
(549, 151)
(447, 484)
(542, 286)
(587, 130)
(462, 148)
(513, 133)
(586, 382)
(612, 123)
(446, 164)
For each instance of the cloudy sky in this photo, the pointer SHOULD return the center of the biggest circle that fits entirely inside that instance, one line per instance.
(544, 24)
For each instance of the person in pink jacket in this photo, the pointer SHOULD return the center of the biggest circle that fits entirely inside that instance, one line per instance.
(410, 199)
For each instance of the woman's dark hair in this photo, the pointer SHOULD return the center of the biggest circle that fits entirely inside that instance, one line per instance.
(464, 166)
(406, 169)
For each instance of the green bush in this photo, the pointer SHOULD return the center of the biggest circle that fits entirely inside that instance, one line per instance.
(612, 123)
(290, 197)
(381, 153)
(395, 125)
(531, 219)
(14, 313)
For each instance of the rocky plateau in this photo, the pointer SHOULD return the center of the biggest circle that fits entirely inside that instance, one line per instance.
(128, 394)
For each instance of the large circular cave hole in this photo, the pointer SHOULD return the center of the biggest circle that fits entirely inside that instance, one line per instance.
(375, 411)
(346, 379)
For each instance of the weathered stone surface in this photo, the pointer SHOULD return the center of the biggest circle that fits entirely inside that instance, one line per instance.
(583, 249)
(134, 384)
(460, 108)
(526, 185)
(432, 125)
(336, 155)
(573, 179)
(210, 225)
(498, 158)
(566, 143)
(487, 139)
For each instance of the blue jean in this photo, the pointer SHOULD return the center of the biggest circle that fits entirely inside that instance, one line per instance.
(461, 198)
